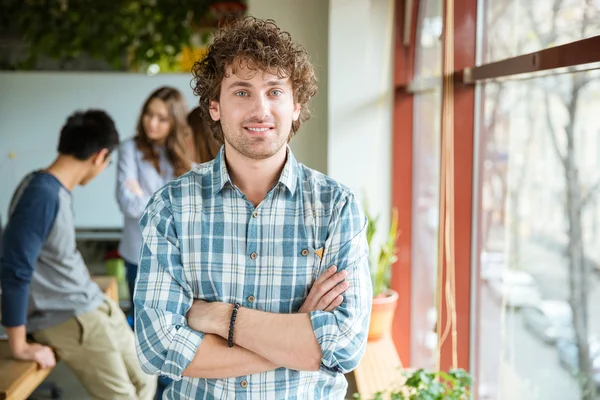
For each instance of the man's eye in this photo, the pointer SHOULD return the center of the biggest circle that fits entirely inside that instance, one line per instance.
(276, 92)
(241, 93)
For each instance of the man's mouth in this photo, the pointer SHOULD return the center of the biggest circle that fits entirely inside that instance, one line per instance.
(258, 129)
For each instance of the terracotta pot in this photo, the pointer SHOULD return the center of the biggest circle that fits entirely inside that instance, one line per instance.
(382, 314)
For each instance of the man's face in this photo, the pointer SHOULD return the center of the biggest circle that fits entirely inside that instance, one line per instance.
(96, 164)
(256, 110)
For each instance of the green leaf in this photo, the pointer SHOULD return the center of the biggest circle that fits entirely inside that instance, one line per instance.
(146, 31)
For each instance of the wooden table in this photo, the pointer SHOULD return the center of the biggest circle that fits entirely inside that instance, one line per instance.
(380, 368)
(18, 379)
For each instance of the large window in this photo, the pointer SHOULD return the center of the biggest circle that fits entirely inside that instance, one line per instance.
(521, 268)
(539, 217)
(539, 259)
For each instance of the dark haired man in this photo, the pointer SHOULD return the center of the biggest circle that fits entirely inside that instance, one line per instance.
(47, 291)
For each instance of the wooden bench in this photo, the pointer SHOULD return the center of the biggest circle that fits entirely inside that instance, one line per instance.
(379, 369)
(18, 379)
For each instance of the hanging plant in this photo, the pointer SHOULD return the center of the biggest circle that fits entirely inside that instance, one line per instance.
(124, 33)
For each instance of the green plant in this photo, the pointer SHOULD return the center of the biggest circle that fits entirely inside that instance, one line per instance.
(423, 385)
(381, 268)
(124, 33)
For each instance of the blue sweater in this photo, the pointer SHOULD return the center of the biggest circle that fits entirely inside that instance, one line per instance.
(43, 276)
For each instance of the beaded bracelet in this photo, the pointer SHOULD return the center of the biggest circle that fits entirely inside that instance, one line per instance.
(232, 323)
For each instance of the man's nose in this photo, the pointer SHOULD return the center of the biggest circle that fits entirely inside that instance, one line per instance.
(261, 108)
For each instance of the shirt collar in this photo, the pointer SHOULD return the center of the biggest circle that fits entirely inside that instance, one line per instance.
(288, 176)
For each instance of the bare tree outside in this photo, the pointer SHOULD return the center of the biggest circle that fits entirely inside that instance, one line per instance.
(564, 142)
(538, 134)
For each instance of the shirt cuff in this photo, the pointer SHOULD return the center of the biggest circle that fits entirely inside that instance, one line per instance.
(181, 352)
(326, 331)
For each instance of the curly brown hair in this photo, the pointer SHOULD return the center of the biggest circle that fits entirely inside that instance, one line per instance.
(175, 144)
(261, 46)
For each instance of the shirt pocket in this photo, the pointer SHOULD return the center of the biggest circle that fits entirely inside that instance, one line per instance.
(298, 273)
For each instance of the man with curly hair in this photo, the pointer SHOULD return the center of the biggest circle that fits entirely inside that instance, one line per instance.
(254, 279)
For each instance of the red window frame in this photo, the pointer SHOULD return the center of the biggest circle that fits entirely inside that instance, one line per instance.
(466, 73)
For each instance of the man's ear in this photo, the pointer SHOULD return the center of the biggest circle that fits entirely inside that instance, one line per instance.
(99, 158)
(215, 110)
(297, 109)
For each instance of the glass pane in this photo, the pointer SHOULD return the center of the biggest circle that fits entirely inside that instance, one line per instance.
(539, 236)
(515, 27)
(428, 56)
(426, 182)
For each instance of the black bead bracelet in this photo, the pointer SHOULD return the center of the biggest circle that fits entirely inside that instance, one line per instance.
(236, 307)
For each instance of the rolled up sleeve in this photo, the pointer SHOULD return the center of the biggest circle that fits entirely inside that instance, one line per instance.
(164, 342)
(342, 334)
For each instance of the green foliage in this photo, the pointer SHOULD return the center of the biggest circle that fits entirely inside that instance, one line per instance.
(381, 268)
(121, 32)
(423, 385)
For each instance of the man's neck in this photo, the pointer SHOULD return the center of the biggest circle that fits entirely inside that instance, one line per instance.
(69, 171)
(254, 177)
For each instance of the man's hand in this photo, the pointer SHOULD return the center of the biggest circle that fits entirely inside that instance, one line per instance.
(43, 355)
(325, 295)
(326, 292)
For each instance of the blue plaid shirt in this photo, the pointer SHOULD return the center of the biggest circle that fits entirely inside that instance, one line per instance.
(202, 239)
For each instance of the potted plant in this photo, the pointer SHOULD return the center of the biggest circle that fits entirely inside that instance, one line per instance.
(384, 298)
(422, 385)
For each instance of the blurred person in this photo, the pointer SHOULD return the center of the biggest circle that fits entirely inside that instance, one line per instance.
(47, 291)
(202, 143)
(153, 157)
(254, 279)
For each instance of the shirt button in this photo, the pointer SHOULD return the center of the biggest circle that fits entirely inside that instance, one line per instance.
(244, 384)
(255, 214)
(251, 299)
(305, 252)
(253, 255)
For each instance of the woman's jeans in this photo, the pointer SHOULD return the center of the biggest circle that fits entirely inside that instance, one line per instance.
(131, 275)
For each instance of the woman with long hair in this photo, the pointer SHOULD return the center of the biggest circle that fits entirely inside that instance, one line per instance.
(156, 155)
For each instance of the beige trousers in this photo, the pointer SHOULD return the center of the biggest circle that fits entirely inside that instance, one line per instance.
(99, 348)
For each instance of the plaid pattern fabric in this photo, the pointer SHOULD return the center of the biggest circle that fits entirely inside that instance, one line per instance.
(203, 239)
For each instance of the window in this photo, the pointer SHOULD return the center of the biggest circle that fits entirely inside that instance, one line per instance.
(515, 27)
(538, 217)
(525, 300)
(540, 167)
(426, 183)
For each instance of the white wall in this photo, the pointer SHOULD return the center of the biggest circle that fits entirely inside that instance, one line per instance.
(307, 22)
(361, 99)
(35, 105)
